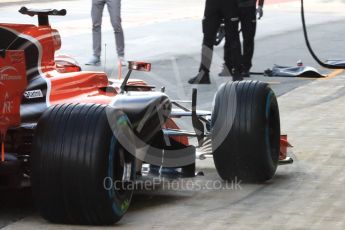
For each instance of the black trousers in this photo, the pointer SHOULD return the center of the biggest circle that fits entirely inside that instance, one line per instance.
(247, 17)
(215, 11)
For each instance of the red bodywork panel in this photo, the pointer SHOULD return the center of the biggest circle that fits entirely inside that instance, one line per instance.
(49, 41)
(83, 87)
(12, 86)
(284, 145)
(67, 83)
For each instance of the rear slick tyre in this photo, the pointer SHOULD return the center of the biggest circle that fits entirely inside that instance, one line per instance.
(245, 131)
(78, 166)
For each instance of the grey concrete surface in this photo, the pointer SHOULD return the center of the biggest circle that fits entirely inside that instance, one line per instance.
(306, 195)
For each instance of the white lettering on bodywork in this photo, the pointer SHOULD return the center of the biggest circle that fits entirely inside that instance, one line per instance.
(8, 105)
(33, 94)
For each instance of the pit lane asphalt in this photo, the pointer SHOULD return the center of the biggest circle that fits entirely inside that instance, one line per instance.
(306, 195)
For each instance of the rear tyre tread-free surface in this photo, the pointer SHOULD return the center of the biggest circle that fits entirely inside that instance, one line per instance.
(74, 151)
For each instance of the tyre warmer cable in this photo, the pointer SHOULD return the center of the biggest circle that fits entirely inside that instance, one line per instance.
(311, 51)
(328, 66)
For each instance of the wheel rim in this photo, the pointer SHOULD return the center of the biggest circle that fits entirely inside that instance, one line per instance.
(121, 171)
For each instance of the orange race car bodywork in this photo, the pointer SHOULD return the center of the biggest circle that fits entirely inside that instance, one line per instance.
(54, 85)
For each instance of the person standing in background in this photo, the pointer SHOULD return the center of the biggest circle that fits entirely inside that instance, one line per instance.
(114, 9)
(215, 12)
(247, 13)
(248, 23)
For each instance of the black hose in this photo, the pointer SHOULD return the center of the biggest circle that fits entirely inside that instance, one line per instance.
(328, 66)
(256, 73)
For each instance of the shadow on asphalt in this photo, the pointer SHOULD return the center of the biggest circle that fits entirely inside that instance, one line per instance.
(15, 205)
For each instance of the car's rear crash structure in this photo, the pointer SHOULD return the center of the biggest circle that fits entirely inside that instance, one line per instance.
(66, 130)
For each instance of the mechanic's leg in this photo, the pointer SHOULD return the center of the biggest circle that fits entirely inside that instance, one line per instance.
(114, 8)
(231, 18)
(210, 25)
(226, 71)
(227, 52)
(233, 61)
(96, 15)
(248, 23)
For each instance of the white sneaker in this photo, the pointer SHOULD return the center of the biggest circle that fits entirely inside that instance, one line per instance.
(122, 61)
(94, 61)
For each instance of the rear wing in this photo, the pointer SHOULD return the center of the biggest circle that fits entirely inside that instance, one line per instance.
(12, 86)
(42, 14)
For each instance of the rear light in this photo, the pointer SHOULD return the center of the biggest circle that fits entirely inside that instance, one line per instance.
(66, 64)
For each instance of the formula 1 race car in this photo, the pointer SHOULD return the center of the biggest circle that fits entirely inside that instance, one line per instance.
(70, 133)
